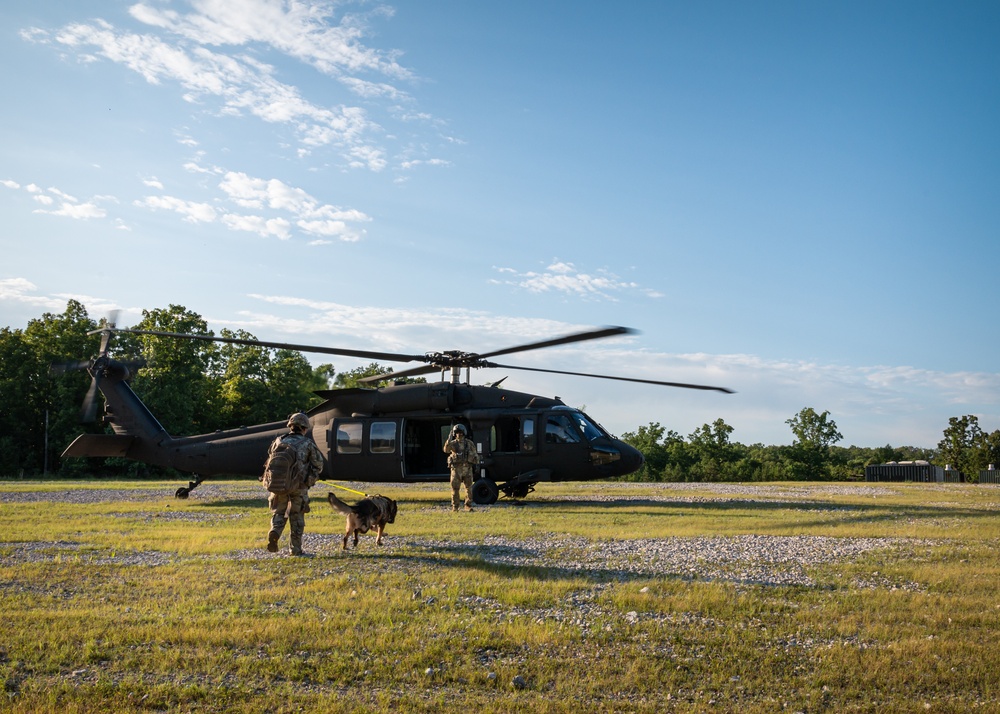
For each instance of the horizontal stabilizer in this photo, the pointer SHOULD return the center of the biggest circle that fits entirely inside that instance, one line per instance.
(99, 445)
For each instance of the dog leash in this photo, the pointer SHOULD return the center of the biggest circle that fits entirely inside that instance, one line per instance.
(333, 485)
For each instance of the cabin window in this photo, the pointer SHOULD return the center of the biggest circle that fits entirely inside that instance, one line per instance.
(383, 437)
(349, 437)
(512, 434)
(504, 435)
(528, 434)
(559, 430)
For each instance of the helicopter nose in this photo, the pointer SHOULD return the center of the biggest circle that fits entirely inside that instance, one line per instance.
(631, 458)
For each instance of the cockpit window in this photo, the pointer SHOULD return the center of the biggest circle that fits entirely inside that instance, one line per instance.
(559, 430)
(585, 425)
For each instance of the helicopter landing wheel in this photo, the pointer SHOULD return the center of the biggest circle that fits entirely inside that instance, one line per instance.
(485, 492)
(185, 491)
(521, 491)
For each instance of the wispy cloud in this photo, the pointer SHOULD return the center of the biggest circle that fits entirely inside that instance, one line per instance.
(192, 212)
(21, 291)
(287, 205)
(563, 277)
(307, 31)
(213, 51)
(55, 202)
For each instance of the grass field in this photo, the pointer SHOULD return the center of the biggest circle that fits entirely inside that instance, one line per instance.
(587, 597)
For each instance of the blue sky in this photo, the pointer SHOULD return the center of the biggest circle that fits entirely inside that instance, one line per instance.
(795, 200)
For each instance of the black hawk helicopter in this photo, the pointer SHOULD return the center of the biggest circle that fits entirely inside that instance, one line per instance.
(382, 434)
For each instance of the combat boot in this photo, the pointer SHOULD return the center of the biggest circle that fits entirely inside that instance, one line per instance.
(272, 542)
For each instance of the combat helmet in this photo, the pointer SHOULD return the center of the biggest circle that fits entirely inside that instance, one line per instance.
(299, 420)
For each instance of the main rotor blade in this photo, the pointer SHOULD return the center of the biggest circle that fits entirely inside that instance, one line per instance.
(619, 379)
(578, 337)
(109, 325)
(88, 412)
(365, 354)
(64, 367)
(412, 372)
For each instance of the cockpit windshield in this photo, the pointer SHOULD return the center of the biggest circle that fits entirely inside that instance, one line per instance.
(587, 427)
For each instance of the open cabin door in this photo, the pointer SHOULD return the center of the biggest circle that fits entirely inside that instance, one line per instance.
(423, 448)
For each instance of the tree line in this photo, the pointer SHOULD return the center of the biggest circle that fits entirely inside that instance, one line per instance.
(196, 387)
(708, 455)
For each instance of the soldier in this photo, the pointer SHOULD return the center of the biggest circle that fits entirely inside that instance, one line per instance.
(462, 457)
(293, 506)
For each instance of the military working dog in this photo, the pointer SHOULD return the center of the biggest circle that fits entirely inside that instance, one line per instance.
(371, 512)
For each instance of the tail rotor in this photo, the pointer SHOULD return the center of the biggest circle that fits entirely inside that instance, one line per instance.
(99, 367)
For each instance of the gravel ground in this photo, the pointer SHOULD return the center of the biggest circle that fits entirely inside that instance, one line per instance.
(747, 559)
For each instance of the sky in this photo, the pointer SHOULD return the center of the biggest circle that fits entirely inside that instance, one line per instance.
(799, 201)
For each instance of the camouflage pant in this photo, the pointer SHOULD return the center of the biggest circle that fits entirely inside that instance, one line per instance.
(461, 478)
(290, 508)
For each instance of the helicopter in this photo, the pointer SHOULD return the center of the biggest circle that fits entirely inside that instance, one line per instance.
(391, 433)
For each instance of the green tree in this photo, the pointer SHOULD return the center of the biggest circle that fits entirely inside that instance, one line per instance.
(649, 441)
(289, 378)
(990, 450)
(715, 454)
(809, 455)
(21, 417)
(175, 383)
(242, 373)
(60, 340)
(322, 378)
(959, 441)
(962, 445)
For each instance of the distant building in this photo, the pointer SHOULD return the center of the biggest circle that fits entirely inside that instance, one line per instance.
(914, 471)
(989, 475)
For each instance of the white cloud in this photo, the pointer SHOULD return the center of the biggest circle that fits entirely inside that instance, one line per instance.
(267, 227)
(81, 211)
(306, 31)
(10, 184)
(19, 290)
(562, 277)
(207, 52)
(68, 206)
(192, 211)
(65, 196)
(307, 212)
(23, 292)
(294, 206)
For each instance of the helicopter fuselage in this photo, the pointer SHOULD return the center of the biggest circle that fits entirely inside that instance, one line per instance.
(389, 434)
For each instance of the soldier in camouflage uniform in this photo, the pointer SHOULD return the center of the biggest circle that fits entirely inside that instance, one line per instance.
(295, 504)
(462, 457)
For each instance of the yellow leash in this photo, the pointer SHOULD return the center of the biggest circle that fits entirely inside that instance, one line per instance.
(333, 485)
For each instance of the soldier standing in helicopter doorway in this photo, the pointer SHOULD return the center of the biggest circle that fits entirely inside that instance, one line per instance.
(292, 506)
(462, 459)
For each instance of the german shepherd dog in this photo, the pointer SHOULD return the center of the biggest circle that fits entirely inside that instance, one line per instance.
(371, 512)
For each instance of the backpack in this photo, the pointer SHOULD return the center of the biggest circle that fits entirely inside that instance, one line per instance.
(282, 470)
